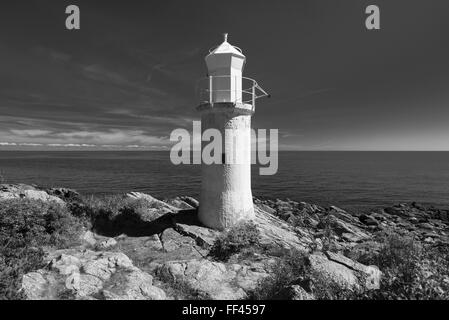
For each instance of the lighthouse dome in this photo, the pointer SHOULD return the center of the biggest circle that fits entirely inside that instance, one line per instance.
(226, 47)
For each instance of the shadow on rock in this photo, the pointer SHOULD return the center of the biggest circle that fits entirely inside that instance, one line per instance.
(131, 223)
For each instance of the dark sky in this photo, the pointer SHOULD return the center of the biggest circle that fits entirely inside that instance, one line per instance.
(127, 78)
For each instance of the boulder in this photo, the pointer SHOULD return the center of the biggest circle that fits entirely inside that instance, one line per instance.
(26, 192)
(108, 243)
(369, 275)
(157, 203)
(88, 238)
(215, 280)
(87, 274)
(335, 271)
(344, 271)
(179, 203)
(368, 220)
(64, 193)
(274, 231)
(191, 201)
(132, 285)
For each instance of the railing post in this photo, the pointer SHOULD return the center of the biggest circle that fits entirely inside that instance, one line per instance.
(210, 89)
(254, 96)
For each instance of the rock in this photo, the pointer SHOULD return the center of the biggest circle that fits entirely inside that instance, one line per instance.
(310, 208)
(413, 220)
(312, 222)
(64, 194)
(370, 274)
(86, 274)
(368, 220)
(215, 280)
(275, 231)
(191, 201)
(266, 208)
(429, 240)
(89, 238)
(344, 271)
(26, 192)
(344, 229)
(337, 272)
(204, 237)
(294, 292)
(394, 211)
(132, 285)
(337, 209)
(34, 285)
(109, 243)
(152, 251)
(179, 203)
(158, 203)
(427, 226)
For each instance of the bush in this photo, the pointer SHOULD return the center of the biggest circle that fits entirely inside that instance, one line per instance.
(242, 236)
(182, 290)
(411, 270)
(111, 206)
(293, 267)
(25, 227)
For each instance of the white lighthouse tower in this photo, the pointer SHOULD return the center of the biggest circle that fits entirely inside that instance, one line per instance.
(228, 102)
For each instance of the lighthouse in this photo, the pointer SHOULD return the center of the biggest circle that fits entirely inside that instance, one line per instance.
(227, 105)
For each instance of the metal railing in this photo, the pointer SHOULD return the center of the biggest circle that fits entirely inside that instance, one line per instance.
(241, 90)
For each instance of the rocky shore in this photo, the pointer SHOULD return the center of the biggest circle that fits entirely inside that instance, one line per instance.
(146, 248)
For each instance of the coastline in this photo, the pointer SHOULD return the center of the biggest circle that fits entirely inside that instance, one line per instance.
(163, 249)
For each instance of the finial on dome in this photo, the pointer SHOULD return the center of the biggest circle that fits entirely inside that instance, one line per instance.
(225, 37)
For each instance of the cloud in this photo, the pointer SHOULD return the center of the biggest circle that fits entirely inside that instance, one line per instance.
(30, 132)
(30, 144)
(83, 138)
(71, 145)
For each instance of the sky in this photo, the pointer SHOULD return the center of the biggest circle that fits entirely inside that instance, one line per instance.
(127, 78)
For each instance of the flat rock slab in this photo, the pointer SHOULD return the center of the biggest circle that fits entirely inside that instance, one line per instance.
(274, 231)
(216, 280)
(79, 273)
(344, 271)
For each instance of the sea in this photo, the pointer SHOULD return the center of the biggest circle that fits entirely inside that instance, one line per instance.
(357, 181)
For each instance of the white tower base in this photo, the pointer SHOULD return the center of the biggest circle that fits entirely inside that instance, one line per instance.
(226, 196)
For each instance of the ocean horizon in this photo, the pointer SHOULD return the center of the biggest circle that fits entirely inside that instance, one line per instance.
(353, 180)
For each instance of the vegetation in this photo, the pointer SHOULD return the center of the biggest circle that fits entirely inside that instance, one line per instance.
(26, 227)
(293, 268)
(108, 206)
(182, 290)
(242, 236)
(411, 270)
